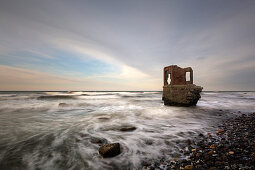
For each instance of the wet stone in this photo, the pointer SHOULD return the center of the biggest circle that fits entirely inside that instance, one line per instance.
(201, 135)
(104, 118)
(127, 128)
(62, 105)
(109, 150)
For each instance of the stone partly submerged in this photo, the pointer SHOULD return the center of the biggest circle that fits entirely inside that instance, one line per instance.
(109, 150)
(178, 89)
(127, 128)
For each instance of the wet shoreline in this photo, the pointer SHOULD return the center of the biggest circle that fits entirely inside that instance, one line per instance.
(231, 146)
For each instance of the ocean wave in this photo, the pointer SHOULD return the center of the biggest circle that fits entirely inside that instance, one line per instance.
(56, 97)
(16, 97)
(53, 132)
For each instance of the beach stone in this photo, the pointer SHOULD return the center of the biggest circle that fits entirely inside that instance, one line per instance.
(210, 152)
(198, 154)
(220, 131)
(188, 141)
(62, 105)
(188, 167)
(201, 135)
(127, 128)
(104, 118)
(212, 146)
(231, 152)
(109, 150)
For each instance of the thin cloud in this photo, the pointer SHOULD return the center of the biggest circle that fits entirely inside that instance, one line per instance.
(136, 39)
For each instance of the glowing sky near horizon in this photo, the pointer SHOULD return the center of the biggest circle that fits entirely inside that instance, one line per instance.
(124, 44)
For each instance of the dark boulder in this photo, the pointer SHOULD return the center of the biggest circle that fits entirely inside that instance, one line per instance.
(127, 128)
(109, 150)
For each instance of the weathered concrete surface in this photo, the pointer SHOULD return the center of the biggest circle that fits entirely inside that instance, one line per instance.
(177, 75)
(181, 95)
(179, 91)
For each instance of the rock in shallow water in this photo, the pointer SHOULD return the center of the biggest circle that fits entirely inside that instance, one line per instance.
(127, 128)
(109, 150)
(104, 118)
(62, 105)
(181, 95)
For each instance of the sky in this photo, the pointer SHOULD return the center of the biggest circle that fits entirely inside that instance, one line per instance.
(125, 44)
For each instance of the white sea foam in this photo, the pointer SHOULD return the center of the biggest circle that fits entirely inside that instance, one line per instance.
(57, 131)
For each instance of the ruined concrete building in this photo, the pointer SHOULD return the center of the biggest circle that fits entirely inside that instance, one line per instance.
(178, 89)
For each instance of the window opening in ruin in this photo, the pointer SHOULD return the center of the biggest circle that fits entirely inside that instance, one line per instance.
(187, 76)
(169, 78)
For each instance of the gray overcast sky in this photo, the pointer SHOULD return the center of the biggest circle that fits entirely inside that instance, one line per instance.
(124, 44)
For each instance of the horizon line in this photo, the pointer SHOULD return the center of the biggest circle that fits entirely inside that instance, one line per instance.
(116, 91)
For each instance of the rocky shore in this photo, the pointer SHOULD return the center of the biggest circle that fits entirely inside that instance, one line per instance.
(232, 146)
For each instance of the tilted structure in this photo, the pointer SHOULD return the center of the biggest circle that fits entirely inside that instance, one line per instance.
(179, 90)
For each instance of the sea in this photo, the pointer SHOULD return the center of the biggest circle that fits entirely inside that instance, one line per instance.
(64, 130)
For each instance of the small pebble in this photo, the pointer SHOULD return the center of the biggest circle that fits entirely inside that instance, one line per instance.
(189, 167)
(231, 152)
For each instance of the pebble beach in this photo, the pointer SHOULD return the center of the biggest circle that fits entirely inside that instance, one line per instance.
(232, 146)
